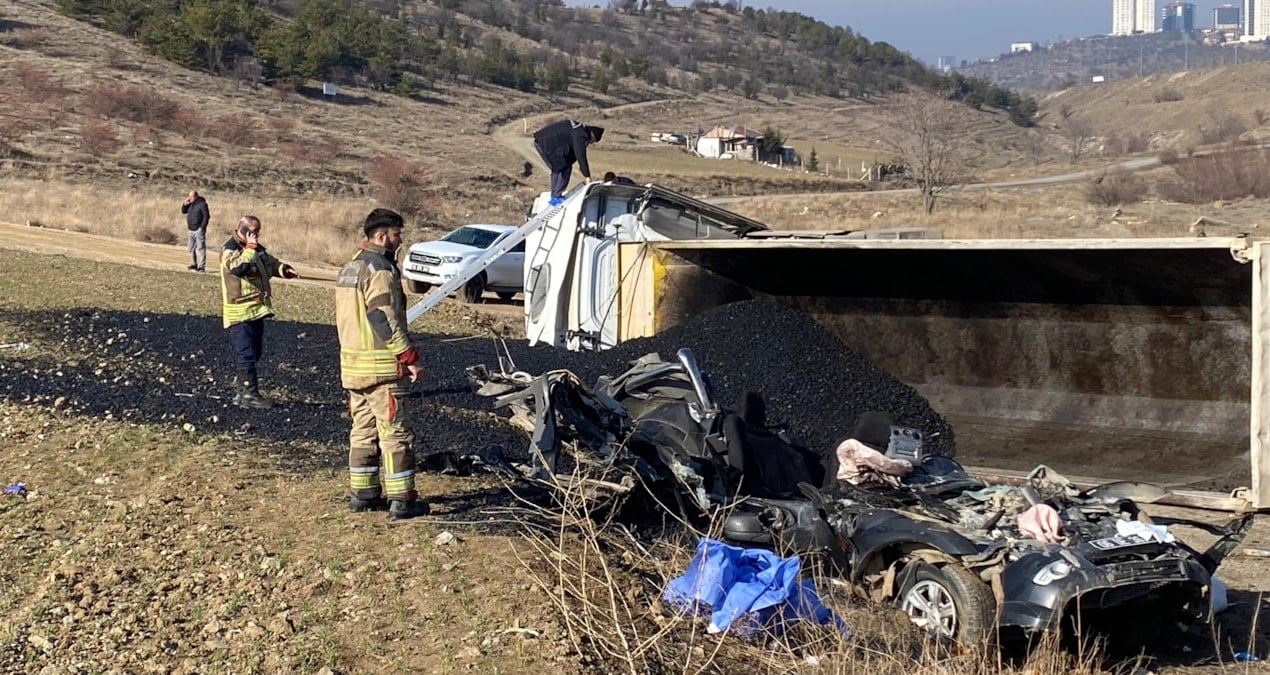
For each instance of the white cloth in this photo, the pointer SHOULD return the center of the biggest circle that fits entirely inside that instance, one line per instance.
(1158, 533)
(858, 463)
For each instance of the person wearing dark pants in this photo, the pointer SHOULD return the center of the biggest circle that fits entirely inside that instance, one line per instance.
(561, 144)
(246, 301)
(197, 216)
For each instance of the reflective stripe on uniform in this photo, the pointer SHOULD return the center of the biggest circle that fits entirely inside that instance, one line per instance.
(398, 483)
(362, 477)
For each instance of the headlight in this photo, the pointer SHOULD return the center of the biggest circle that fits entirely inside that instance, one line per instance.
(451, 258)
(1059, 569)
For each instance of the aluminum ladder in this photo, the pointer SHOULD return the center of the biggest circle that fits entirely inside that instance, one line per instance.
(487, 258)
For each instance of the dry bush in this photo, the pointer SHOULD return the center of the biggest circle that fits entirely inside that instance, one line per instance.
(157, 235)
(189, 122)
(1261, 116)
(237, 129)
(133, 103)
(1126, 144)
(1222, 128)
(13, 129)
(29, 38)
(97, 137)
(605, 585)
(143, 134)
(1169, 156)
(1168, 95)
(401, 185)
(1232, 174)
(37, 83)
(1115, 188)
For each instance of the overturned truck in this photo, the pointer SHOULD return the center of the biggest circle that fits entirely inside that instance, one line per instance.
(1107, 359)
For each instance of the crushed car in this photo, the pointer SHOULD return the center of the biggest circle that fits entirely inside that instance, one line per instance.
(964, 559)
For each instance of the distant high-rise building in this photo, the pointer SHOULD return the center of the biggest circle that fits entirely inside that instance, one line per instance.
(1256, 20)
(1226, 17)
(1178, 16)
(1136, 16)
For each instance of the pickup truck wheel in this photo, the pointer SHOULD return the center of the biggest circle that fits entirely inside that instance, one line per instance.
(950, 602)
(473, 290)
(505, 296)
(417, 286)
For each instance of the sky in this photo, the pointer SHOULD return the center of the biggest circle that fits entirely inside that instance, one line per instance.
(962, 29)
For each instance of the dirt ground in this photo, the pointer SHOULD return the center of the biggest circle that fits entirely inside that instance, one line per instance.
(221, 544)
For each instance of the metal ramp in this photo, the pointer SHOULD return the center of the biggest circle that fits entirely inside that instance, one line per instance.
(487, 258)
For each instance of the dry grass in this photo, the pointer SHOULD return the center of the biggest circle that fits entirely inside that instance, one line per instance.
(308, 230)
(605, 585)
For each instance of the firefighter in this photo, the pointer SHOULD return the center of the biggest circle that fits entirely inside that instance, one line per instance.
(377, 365)
(246, 300)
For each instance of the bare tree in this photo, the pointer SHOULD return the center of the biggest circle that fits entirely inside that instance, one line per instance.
(1079, 134)
(926, 144)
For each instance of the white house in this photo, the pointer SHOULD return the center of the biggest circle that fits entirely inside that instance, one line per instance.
(720, 142)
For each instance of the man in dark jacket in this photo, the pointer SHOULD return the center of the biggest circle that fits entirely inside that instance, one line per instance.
(197, 216)
(562, 143)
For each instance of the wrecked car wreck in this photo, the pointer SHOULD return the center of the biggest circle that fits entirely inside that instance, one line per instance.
(964, 559)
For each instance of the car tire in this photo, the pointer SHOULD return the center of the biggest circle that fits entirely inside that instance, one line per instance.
(473, 290)
(949, 602)
(506, 296)
(417, 286)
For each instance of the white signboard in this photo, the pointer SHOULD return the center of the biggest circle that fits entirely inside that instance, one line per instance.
(328, 88)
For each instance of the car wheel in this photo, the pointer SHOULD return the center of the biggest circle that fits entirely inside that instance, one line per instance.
(505, 296)
(417, 286)
(473, 290)
(949, 602)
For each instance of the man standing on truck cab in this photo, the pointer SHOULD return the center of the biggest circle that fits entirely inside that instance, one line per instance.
(562, 143)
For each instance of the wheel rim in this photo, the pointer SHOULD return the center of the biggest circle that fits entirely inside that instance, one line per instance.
(930, 606)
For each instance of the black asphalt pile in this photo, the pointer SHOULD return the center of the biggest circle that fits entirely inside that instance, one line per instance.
(176, 369)
(812, 382)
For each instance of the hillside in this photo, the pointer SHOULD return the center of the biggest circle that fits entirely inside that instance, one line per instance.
(1074, 62)
(91, 107)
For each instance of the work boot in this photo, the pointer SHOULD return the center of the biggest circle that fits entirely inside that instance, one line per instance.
(249, 393)
(401, 510)
(356, 505)
(192, 267)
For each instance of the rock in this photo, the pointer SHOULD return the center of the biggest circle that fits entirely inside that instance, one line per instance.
(445, 538)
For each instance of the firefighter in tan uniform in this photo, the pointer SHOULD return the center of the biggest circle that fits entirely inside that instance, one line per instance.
(377, 365)
(246, 301)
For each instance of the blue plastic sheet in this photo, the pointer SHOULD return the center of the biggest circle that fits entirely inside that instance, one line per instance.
(752, 588)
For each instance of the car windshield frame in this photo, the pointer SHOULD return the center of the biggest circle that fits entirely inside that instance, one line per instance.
(476, 237)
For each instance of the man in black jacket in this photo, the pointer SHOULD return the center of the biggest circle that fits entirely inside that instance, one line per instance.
(562, 143)
(197, 216)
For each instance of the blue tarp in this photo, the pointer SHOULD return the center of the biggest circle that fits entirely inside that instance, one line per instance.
(751, 587)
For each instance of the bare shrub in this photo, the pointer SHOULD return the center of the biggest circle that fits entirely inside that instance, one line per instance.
(1261, 116)
(605, 587)
(1222, 128)
(133, 103)
(1225, 175)
(13, 129)
(401, 185)
(1169, 156)
(29, 38)
(97, 137)
(300, 150)
(1114, 188)
(238, 129)
(37, 83)
(189, 123)
(157, 235)
(115, 57)
(143, 134)
(1168, 95)
(1126, 144)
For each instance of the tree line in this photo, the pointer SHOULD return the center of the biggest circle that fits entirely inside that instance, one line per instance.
(403, 47)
